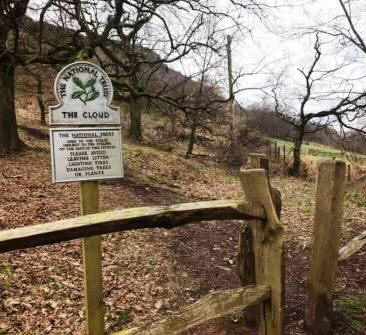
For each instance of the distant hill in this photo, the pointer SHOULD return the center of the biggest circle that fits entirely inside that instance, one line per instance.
(265, 120)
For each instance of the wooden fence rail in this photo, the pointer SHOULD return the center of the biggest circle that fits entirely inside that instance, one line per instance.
(127, 219)
(214, 305)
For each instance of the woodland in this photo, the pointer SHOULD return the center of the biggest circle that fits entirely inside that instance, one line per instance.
(187, 129)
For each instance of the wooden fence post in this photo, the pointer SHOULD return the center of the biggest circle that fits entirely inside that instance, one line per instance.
(349, 173)
(257, 161)
(267, 246)
(92, 258)
(275, 151)
(246, 263)
(328, 219)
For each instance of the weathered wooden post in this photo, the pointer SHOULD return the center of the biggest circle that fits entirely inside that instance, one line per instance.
(328, 219)
(267, 246)
(246, 268)
(92, 261)
(246, 255)
(246, 262)
(257, 161)
(349, 172)
(85, 92)
(284, 155)
(275, 151)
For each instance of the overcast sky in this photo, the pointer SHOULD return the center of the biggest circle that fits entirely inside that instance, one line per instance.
(278, 46)
(284, 48)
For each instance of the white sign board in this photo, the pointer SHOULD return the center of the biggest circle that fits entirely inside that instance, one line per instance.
(84, 92)
(80, 154)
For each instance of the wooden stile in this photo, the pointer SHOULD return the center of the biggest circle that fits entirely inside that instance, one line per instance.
(328, 220)
(92, 259)
(266, 245)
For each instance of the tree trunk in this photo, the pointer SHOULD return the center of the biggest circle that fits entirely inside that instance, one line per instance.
(296, 165)
(192, 139)
(173, 117)
(135, 130)
(41, 105)
(9, 138)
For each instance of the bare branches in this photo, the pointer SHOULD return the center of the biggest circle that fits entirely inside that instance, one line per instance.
(311, 115)
(356, 38)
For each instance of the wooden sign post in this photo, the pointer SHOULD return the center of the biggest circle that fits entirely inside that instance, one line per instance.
(85, 94)
(92, 261)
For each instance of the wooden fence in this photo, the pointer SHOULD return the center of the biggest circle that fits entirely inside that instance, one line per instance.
(267, 289)
(285, 156)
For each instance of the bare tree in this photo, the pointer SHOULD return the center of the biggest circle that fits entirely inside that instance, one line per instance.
(11, 13)
(135, 41)
(309, 116)
(27, 42)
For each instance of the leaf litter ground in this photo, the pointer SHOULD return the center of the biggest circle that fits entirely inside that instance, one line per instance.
(147, 274)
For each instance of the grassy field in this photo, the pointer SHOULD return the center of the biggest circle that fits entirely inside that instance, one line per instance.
(306, 146)
(323, 151)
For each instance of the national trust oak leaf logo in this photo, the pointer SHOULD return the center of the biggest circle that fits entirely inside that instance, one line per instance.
(86, 92)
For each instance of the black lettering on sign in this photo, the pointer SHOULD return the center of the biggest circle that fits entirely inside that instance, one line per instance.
(96, 115)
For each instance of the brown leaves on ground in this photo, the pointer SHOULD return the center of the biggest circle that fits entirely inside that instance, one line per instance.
(146, 274)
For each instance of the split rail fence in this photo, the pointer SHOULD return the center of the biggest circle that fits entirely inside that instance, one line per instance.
(265, 291)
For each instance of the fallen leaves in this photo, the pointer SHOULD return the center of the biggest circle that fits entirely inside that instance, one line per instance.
(146, 274)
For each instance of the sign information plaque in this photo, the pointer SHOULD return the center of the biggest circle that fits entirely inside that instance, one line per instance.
(84, 154)
(84, 92)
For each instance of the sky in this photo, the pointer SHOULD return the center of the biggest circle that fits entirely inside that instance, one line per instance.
(286, 49)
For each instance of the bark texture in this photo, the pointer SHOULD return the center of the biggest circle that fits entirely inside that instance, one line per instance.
(9, 138)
